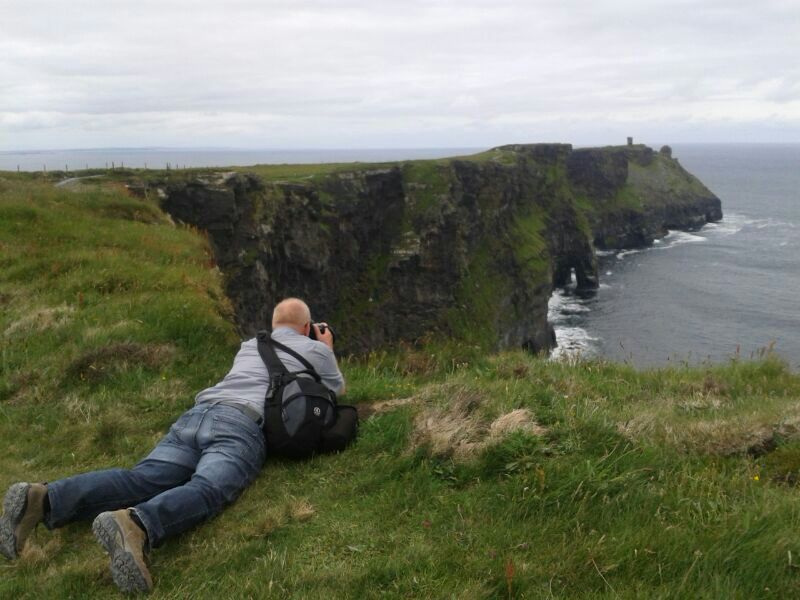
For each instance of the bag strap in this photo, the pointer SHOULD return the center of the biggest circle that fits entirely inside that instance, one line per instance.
(276, 368)
(265, 348)
(298, 356)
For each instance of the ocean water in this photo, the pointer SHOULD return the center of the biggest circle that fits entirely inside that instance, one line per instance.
(731, 288)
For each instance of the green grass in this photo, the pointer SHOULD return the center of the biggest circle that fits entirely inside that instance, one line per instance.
(662, 182)
(669, 483)
(303, 172)
(499, 155)
(306, 172)
(300, 172)
(626, 198)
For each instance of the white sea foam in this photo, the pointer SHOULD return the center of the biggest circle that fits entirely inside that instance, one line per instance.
(555, 303)
(625, 253)
(730, 224)
(609, 272)
(733, 223)
(573, 342)
(604, 252)
(764, 223)
(559, 303)
(561, 307)
(677, 238)
(574, 308)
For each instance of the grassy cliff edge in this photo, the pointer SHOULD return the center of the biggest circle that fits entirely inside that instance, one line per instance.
(474, 477)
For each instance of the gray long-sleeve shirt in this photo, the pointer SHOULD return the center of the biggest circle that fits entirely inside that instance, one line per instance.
(248, 379)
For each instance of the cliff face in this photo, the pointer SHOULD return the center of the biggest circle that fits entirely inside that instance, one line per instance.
(468, 248)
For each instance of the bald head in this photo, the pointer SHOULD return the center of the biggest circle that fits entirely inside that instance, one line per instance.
(293, 313)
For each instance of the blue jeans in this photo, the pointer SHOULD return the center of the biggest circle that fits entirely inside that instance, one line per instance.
(210, 454)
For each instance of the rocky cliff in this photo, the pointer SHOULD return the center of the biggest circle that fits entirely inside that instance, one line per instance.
(467, 247)
(633, 195)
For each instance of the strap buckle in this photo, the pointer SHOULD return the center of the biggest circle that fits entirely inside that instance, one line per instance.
(274, 383)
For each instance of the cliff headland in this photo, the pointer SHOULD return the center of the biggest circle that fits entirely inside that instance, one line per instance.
(469, 247)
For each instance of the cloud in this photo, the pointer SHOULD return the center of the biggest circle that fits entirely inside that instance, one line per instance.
(315, 72)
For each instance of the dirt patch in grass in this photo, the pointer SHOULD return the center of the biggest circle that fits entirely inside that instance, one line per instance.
(520, 419)
(100, 363)
(729, 435)
(770, 438)
(41, 319)
(783, 465)
(459, 430)
(300, 509)
(17, 385)
(5, 297)
(449, 421)
(280, 514)
(79, 408)
(100, 330)
(454, 430)
(365, 411)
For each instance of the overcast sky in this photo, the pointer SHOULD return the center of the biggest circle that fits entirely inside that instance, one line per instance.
(374, 73)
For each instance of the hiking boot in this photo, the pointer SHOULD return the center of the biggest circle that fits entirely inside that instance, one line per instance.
(23, 509)
(125, 543)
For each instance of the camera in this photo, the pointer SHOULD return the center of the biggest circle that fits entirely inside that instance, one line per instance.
(322, 329)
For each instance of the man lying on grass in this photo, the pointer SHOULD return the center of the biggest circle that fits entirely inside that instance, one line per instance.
(210, 454)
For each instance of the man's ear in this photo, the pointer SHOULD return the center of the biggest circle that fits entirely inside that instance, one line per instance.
(307, 328)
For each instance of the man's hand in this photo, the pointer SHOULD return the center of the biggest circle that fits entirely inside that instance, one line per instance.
(327, 337)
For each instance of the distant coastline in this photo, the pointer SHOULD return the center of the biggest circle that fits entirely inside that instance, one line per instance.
(159, 158)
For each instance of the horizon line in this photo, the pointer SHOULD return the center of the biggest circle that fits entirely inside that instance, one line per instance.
(348, 149)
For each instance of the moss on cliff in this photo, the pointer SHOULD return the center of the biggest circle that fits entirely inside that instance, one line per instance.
(476, 318)
(427, 187)
(627, 198)
(529, 246)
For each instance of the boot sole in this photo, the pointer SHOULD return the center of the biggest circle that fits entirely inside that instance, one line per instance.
(14, 505)
(125, 569)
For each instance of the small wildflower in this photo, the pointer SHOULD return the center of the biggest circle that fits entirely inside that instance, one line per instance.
(755, 478)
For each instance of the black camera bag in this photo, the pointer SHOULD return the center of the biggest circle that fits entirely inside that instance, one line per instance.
(301, 415)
